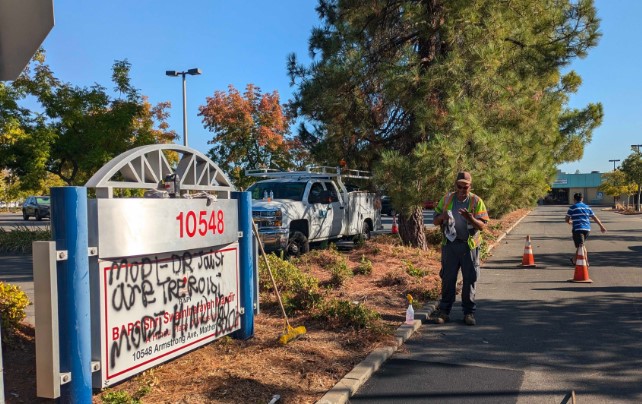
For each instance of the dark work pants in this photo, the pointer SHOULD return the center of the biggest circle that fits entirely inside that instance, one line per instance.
(456, 255)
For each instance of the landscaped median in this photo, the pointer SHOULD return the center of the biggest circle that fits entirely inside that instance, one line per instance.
(352, 305)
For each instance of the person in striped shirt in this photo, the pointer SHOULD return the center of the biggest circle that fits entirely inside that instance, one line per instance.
(579, 215)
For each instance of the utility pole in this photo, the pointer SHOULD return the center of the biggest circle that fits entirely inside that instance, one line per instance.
(614, 161)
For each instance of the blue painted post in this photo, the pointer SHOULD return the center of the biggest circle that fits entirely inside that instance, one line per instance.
(246, 263)
(69, 230)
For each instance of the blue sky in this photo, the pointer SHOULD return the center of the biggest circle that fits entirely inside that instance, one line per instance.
(241, 42)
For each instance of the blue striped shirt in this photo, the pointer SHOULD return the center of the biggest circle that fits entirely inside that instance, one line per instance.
(580, 213)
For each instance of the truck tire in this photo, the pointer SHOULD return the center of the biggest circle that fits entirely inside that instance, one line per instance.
(365, 234)
(38, 217)
(25, 216)
(298, 244)
(366, 231)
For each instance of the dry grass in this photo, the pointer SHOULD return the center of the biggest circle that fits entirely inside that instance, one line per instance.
(253, 371)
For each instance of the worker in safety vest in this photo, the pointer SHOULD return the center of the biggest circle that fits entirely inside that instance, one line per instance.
(462, 216)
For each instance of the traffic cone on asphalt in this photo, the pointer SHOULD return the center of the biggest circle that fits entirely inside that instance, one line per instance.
(395, 228)
(528, 260)
(581, 268)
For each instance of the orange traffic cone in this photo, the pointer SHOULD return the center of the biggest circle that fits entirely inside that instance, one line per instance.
(581, 268)
(528, 260)
(395, 228)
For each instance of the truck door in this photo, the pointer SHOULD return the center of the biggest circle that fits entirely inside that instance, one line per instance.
(319, 211)
(338, 210)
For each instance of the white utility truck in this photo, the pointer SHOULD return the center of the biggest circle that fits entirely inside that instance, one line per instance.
(295, 208)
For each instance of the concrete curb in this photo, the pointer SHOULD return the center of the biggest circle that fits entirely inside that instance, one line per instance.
(348, 386)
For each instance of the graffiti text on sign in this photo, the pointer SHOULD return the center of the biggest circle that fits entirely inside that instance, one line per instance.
(191, 223)
(156, 305)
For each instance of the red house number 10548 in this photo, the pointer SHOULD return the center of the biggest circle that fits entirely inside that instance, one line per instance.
(192, 223)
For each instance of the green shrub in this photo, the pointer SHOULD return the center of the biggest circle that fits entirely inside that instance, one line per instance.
(13, 302)
(299, 291)
(118, 397)
(339, 273)
(414, 271)
(19, 239)
(364, 267)
(424, 294)
(483, 249)
(343, 313)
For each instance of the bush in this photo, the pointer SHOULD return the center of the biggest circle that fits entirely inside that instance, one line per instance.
(123, 397)
(13, 302)
(414, 271)
(19, 239)
(299, 291)
(343, 313)
(339, 272)
(425, 293)
(364, 267)
(118, 397)
(332, 261)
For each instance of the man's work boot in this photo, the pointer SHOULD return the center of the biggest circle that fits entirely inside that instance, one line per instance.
(439, 317)
(469, 319)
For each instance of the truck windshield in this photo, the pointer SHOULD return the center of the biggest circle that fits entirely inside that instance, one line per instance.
(280, 190)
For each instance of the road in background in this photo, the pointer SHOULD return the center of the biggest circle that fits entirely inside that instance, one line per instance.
(8, 221)
(386, 221)
(538, 337)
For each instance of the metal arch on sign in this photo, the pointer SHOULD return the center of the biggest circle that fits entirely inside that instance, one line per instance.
(145, 167)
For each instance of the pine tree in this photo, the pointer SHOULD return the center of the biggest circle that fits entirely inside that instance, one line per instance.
(463, 85)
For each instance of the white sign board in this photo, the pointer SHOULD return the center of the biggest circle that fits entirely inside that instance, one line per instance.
(133, 226)
(156, 307)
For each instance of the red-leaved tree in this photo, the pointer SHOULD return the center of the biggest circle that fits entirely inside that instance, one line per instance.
(251, 130)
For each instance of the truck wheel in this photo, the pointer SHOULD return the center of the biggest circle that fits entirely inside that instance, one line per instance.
(38, 217)
(25, 216)
(298, 244)
(366, 233)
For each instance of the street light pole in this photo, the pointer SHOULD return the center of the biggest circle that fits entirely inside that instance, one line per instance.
(637, 150)
(173, 73)
(614, 161)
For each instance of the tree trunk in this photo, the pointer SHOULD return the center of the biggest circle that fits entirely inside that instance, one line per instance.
(637, 205)
(411, 229)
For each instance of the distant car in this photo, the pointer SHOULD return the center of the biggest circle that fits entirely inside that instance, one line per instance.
(386, 206)
(429, 204)
(36, 206)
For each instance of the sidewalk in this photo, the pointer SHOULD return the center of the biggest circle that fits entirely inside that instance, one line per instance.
(539, 338)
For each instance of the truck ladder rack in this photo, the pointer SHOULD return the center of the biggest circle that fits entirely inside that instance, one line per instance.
(309, 172)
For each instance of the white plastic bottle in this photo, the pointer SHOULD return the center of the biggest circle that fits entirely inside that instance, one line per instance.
(410, 314)
(271, 195)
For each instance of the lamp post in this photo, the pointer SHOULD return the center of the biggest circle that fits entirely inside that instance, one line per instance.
(173, 73)
(614, 161)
